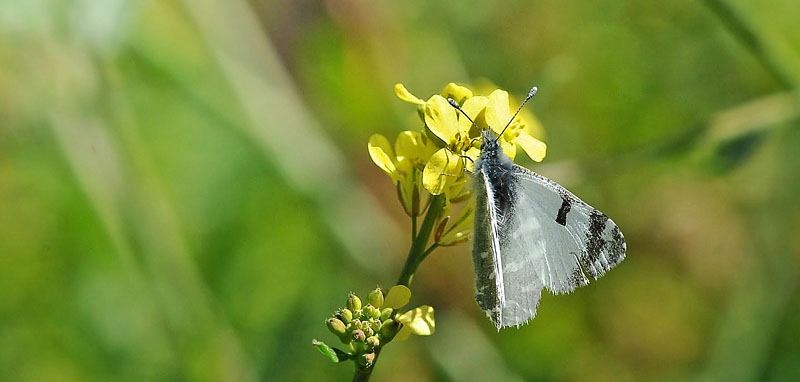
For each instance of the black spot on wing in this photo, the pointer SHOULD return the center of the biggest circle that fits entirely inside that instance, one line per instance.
(561, 218)
(616, 251)
(594, 236)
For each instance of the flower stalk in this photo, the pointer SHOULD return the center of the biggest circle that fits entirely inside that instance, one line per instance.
(418, 252)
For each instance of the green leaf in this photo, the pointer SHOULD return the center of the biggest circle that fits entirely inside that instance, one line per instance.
(334, 354)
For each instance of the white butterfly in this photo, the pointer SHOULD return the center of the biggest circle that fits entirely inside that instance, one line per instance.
(531, 233)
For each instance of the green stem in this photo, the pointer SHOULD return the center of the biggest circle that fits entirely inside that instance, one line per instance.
(428, 252)
(363, 373)
(413, 228)
(418, 252)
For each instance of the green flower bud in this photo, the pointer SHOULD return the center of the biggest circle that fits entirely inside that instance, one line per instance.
(359, 344)
(368, 331)
(389, 329)
(353, 302)
(385, 314)
(370, 312)
(374, 324)
(359, 336)
(345, 315)
(375, 298)
(375, 313)
(373, 342)
(366, 359)
(358, 313)
(336, 326)
(355, 324)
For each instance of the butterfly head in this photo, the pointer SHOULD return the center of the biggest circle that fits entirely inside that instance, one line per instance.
(489, 141)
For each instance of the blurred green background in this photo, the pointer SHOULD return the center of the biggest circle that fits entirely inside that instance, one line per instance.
(185, 190)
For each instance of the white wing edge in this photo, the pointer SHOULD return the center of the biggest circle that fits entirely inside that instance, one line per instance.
(498, 265)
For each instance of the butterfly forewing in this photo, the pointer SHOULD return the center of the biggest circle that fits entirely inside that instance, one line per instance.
(542, 236)
(485, 249)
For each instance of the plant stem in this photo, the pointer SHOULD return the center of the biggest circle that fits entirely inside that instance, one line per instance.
(413, 228)
(364, 373)
(418, 252)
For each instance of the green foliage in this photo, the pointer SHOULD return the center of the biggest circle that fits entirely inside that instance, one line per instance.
(184, 189)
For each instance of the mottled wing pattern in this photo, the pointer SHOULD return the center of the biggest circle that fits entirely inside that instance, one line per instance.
(486, 250)
(550, 238)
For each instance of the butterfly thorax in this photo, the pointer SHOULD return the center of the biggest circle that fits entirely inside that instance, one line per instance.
(497, 167)
(492, 159)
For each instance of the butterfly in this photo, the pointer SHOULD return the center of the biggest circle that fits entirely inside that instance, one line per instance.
(531, 233)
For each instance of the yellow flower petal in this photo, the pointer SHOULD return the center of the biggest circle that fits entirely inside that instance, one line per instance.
(509, 149)
(535, 148)
(474, 153)
(401, 92)
(381, 153)
(456, 92)
(473, 107)
(420, 320)
(413, 145)
(533, 126)
(408, 145)
(441, 119)
(404, 332)
(397, 297)
(441, 170)
(497, 112)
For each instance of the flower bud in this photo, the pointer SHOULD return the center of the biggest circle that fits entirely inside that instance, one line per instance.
(389, 329)
(375, 298)
(373, 342)
(366, 359)
(371, 312)
(375, 324)
(437, 233)
(336, 326)
(385, 314)
(359, 336)
(355, 324)
(345, 315)
(368, 331)
(401, 196)
(353, 302)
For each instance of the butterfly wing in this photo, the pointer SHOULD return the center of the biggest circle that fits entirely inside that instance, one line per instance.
(490, 290)
(547, 237)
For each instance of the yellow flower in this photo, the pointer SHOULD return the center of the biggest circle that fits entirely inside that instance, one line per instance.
(435, 160)
(412, 151)
(497, 116)
(419, 321)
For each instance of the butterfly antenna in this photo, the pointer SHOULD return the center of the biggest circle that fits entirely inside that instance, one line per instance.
(530, 95)
(454, 104)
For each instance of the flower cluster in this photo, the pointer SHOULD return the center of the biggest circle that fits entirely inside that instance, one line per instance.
(435, 159)
(365, 329)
